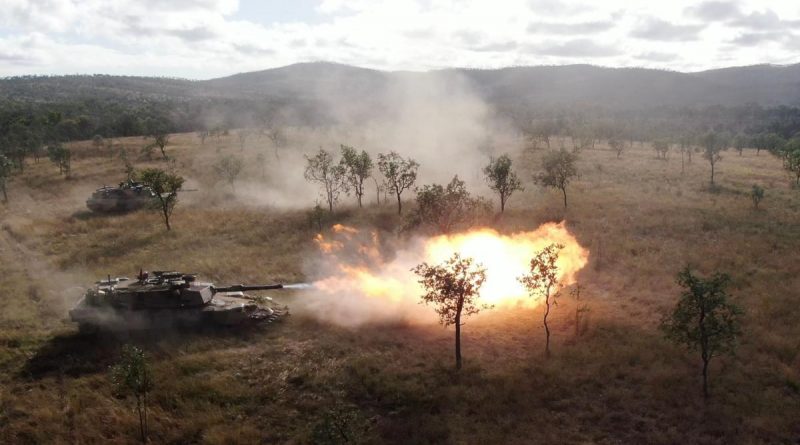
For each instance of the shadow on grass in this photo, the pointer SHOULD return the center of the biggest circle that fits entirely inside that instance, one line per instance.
(77, 354)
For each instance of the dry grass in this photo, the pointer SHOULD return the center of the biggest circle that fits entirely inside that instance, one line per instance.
(619, 383)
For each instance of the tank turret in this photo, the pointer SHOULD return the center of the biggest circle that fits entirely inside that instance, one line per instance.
(168, 298)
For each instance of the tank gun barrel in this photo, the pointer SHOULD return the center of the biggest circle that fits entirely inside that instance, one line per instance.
(244, 288)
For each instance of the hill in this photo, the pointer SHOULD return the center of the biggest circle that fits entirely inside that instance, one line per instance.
(561, 86)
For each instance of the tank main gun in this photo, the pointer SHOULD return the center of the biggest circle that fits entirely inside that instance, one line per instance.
(246, 288)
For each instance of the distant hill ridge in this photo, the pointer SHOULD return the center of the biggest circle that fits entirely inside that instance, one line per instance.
(616, 88)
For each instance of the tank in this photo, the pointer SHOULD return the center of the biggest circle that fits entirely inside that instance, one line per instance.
(129, 196)
(169, 299)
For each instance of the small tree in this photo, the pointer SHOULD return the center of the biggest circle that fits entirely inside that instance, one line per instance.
(542, 283)
(6, 167)
(132, 376)
(739, 142)
(275, 134)
(447, 208)
(62, 157)
(357, 167)
(400, 174)
(703, 319)
(558, 170)
(202, 135)
(261, 160)
(756, 194)
(581, 309)
(165, 186)
(502, 179)
(452, 288)
(110, 148)
(790, 154)
(661, 146)
(617, 145)
(340, 424)
(243, 135)
(228, 168)
(713, 144)
(322, 169)
(97, 142)
(161, 140)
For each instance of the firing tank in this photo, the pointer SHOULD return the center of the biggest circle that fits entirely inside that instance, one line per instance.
(169, 299)
(129, 196)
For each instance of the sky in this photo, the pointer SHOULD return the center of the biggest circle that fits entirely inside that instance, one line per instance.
(202, 39)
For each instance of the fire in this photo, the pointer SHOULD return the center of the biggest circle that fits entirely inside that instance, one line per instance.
(366, 283)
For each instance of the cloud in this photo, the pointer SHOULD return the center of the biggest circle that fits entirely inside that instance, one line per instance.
(575, 48)
(715, 10)
(657, 57)
(496, 47)
(570, 28)
(657, 29)
(208, 38)
(757, 38)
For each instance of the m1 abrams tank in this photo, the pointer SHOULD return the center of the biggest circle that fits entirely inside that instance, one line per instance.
(129, 196)
(169, 299)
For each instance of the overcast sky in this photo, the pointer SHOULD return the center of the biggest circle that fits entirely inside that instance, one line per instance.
(202, 39)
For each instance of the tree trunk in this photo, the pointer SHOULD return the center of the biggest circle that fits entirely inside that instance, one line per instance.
(5, 193)
(399, 205)
(141, 419)
(458, 340)
(546, 327)
(712, 175)
(502, 203)
(705, 377)
(564, 191)
(166, 219)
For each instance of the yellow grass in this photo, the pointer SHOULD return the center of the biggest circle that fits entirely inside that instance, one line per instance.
(619, 383)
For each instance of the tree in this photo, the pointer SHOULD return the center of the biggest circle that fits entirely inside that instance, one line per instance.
(97, 142)
(261, 160)
(452, 288)
(340, 424)
(5, 172)
(202, 135)
(357, 167)
(243, 135)
(228, 168)
(558, 170)
(581, 310)
(322, 169)
(502, 179)
(768, 141)
(62, 157)
(790, 154)
(618, 145)
(110, 148)
(661, 147)
(541, 282)
(161, 140)
(447, 208)
(703, 320)
(165, 186)
(275, 134)
(756, 194)
(739, 142)
(400, 174)
(132, 376)
(713, 144)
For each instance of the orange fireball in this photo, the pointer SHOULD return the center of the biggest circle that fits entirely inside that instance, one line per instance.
(364, 286)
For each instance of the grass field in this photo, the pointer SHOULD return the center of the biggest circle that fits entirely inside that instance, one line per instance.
(620, 382)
